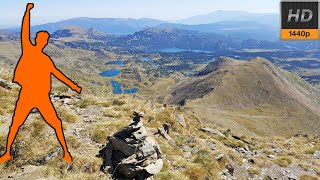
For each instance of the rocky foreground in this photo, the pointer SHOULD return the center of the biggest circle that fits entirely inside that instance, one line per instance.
(164, 142)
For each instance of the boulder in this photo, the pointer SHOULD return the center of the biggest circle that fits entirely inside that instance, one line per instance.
(246, 152)
(187, 155)
(271, 156)
(166, 127)
(212, 131)
(131, 153)
(316, 154)
(164, 134)
(62, 96)
(219, 157)
(4, 84)
(181, 120)
(155, 167)
(291, 172)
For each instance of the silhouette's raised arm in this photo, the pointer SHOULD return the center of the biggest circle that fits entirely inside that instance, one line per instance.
(58, 74)
(25, 29)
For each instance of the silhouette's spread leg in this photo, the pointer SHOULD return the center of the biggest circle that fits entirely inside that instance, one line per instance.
(20, 115)
(49, 114)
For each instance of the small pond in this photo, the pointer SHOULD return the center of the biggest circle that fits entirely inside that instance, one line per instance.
(117, 89)
(146, 59)
(110, 73)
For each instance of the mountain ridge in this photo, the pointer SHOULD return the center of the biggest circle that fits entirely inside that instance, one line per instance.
(107, 25)
(236, 15)
(226, 25)
(246, 92)
(162, 38)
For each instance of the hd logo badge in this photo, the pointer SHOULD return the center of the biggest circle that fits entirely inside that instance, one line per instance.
(299, 20)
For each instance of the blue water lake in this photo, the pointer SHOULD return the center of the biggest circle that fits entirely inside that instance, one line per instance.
(146, 59)
(110, 73)
(117, 89)
(116, 86)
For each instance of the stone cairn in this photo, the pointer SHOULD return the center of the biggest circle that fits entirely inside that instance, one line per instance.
(131, 153)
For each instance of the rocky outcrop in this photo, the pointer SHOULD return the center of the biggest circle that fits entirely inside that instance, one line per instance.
(131, 153)
(52, 155)
(4, 84)
(293, 172)
(212, 131)
(316, 154)
(181, 120)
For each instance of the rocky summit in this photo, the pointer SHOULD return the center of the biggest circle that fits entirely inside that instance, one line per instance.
(131, 153)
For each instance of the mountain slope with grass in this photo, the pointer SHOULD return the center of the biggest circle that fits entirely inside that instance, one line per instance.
(192, 149)
(251, 97)
(72, 33)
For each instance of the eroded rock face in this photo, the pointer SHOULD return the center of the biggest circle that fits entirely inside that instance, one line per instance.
(131, 153)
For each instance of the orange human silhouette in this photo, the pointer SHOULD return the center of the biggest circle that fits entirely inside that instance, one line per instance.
(33, 74)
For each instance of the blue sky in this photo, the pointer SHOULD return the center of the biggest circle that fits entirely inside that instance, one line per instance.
(55, 10)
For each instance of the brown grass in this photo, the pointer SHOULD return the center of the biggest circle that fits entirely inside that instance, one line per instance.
(66, 115)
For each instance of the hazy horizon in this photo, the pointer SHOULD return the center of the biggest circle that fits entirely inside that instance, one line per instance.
(46, 11)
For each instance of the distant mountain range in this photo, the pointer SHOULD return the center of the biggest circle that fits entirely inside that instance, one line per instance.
(108, 25)
(238, 29)
(238, 24)
(7, 35)
(173, 38)
(235, 29)
(189, 37)
(159, 38)
(219, 16)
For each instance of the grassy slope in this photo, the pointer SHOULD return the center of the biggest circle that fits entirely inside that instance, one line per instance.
(254, 97)
(109, 113)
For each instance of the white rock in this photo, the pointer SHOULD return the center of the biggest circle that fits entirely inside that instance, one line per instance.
(154, 168)
(219, 157)
(271, 156)
(316, 154)
(212, 131)
(181, 120)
